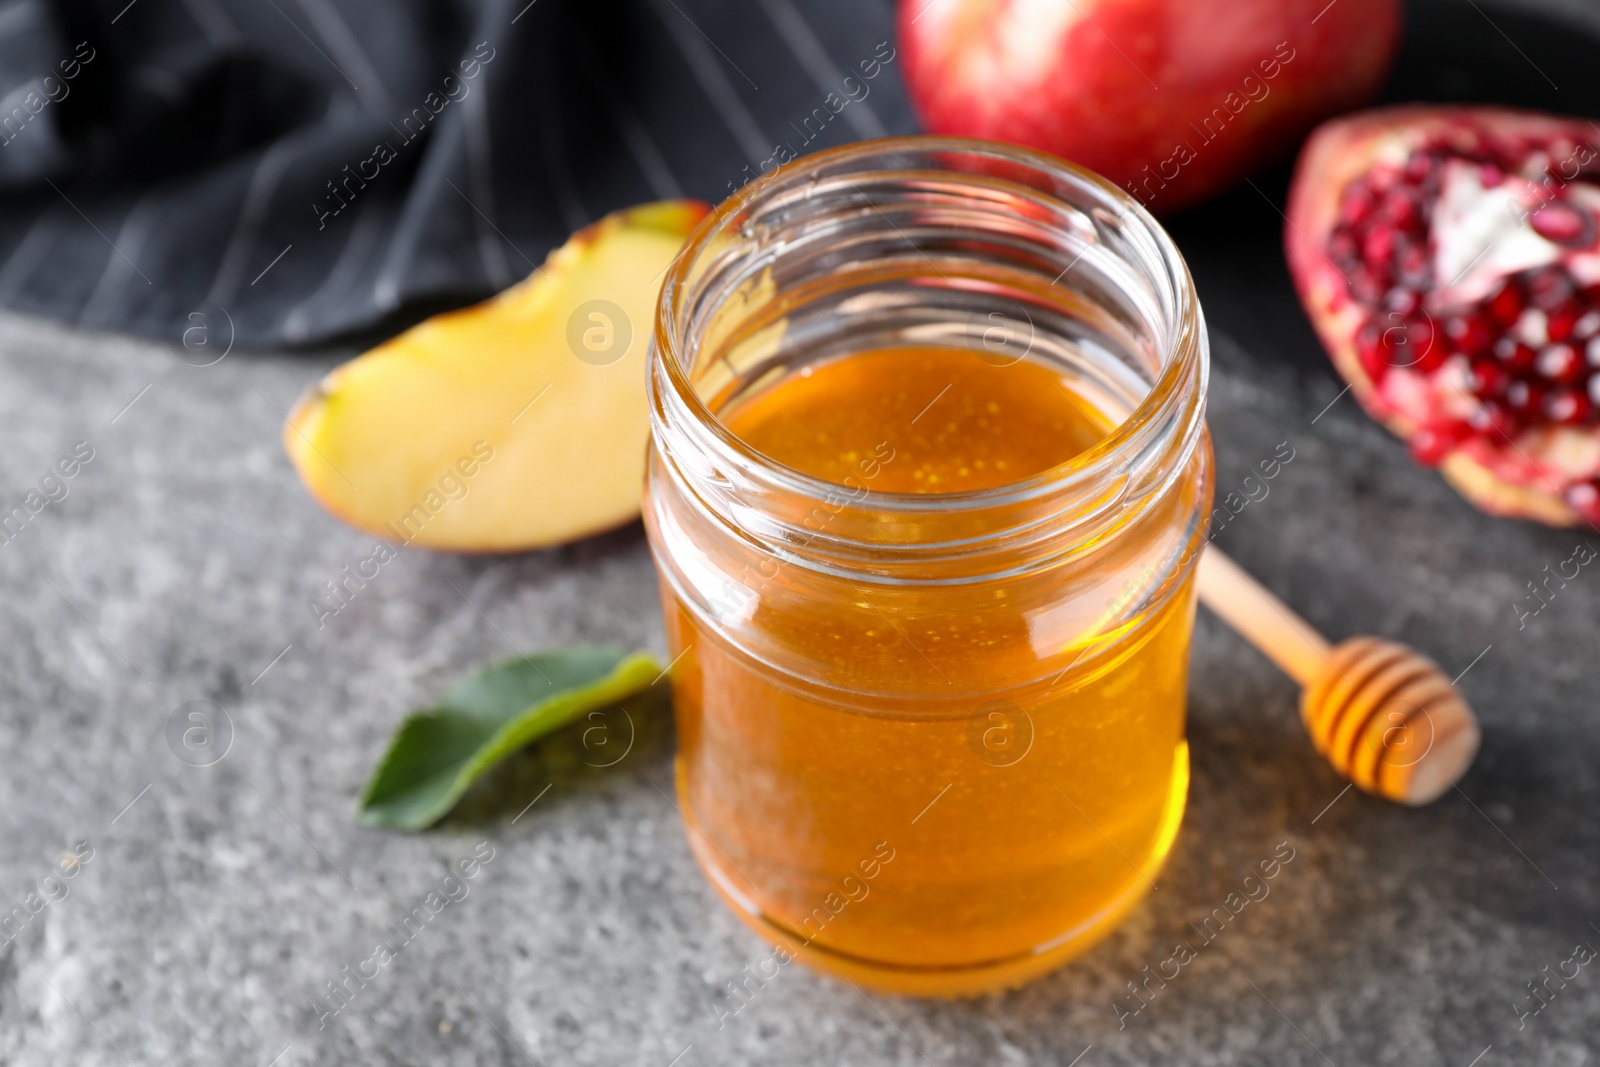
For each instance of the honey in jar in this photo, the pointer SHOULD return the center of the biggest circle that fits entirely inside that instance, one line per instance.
(925, 516)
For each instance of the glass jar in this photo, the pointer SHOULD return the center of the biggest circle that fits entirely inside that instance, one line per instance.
(930, 742)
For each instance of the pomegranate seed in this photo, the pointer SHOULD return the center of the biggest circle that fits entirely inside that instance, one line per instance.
(1549, 287)
(1594, 388)
(1402, 301)
(1588, 324)
(1372, 351)
(1415, 270)
(1410, 345)
(1379, 245)
(1560, 363)
(1506, 304)
(1432, 443)
(1342, 249)
(1393, 348)
(1584, 498)
(1524, 396)
(1467, 334)
(1401, 210)
(1486, 378)
(1431, 359)
(1357, 203)
(1366, 288)
(1562, 322)
(1489, 176)
(1513, 354)
(1420, 339)
(1563, 223)
(1567, 406)
(1532, 328)
(1420, 166)
(1494, 420)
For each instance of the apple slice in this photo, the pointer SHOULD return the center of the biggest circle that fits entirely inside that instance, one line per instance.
(519, 423)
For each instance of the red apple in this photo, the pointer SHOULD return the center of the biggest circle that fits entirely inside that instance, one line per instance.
(1174, 100)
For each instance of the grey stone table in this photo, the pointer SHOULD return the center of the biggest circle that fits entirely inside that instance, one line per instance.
(209, 906)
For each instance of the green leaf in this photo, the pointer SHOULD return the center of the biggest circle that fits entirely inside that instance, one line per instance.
(436, 754)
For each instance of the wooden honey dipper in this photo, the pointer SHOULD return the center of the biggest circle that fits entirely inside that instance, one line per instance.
(1383, 715)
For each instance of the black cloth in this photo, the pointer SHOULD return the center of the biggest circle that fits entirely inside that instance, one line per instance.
(290, 171)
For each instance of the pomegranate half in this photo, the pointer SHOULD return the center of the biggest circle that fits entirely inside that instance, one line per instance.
(1449, 258)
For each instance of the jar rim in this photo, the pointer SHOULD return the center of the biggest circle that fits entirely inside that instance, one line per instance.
(1184, 351)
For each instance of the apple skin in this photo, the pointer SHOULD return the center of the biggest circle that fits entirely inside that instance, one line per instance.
(1125, 87)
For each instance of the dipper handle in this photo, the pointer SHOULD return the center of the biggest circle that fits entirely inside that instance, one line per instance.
(1261, 618)
(1382, 714)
